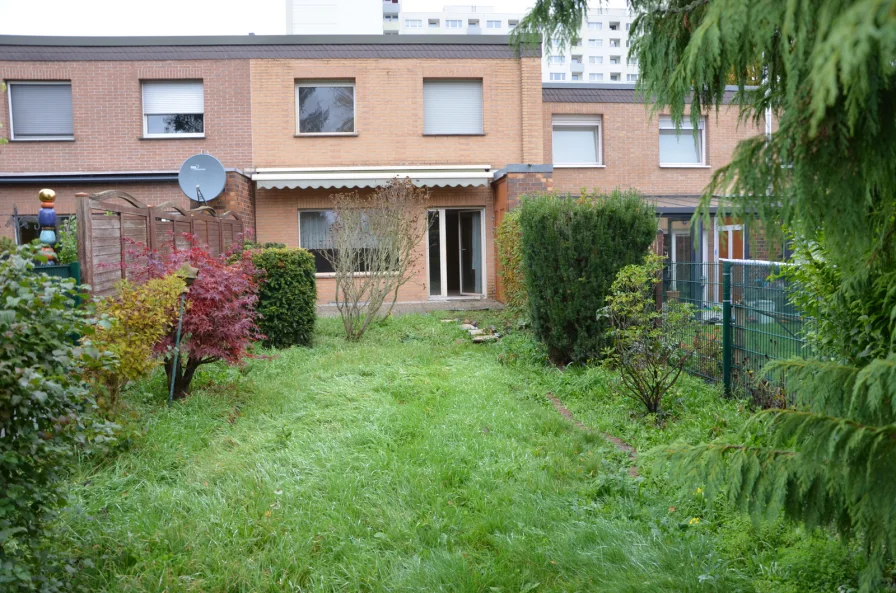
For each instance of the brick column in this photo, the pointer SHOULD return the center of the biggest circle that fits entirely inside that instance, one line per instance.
(238, 197)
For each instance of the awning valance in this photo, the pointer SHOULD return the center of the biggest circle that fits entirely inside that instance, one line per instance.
(350, 177)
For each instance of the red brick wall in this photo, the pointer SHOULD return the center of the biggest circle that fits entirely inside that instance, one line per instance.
(107, 106)
(239, 198)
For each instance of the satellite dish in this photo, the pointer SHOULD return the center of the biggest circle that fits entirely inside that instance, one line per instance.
(202, 177)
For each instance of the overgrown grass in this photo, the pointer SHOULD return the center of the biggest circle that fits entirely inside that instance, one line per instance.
(412, 461)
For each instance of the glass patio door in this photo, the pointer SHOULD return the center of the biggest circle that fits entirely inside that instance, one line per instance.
(470, 229)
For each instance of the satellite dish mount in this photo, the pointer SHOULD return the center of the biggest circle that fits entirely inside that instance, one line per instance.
(202, 178)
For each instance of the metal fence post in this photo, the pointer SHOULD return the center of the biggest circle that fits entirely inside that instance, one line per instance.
(726, 327)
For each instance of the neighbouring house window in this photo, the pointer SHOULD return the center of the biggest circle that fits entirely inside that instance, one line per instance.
(473, 23)
(576, 77)
(632, 61)
(632, 77)
(595, 43)
(512, 23)
(681, 147)
(413, 23)
(614, 26)
(615, 76)
(452, 107)
(614, 43)
(576, 140)
(390, 17)
(614, 59)
(454, 24)
(326, 107)
(556, 60)
(595, 77)
(41, 111)
(493, 24)
(628, 26)
(433, 23)
(558, 75)
(595, 59)
(314, 235)
(595, 25)
(29, 229)
(173, 108)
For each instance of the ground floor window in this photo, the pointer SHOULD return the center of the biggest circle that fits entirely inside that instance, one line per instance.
(314, 236)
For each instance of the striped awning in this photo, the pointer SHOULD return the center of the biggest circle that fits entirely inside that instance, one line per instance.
(360, 177)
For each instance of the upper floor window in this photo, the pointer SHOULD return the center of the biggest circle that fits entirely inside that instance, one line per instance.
(595, 43)
(595, 26)
(631, 77)
(558, 75)
(615, 76)
(628, 26)
(576, 77)
(595, 77)
(390, 17)
(473, 23)
(413, 23)
(614, 43)
(512, 23)
(576, 140)
(433, 23)
(595, 59)
(680, 147)
(173, 108)
(632, 61)
(454, 24)
(614, 59)
(326, 107)
(556, 60)
(452, 107)
(41, 111)
(493, 24)
(614, 26)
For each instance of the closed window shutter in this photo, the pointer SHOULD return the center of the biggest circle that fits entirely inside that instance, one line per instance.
(41, 110)
(173, 97)
(667, 124)
(452, 107)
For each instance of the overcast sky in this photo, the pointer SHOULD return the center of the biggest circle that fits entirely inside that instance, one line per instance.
(176, 17)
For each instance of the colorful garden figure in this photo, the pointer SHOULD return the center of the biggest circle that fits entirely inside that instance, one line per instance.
(46, 219)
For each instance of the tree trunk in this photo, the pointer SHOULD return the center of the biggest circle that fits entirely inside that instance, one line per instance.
(183, 376)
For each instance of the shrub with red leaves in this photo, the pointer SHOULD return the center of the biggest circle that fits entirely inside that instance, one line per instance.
(219, 320)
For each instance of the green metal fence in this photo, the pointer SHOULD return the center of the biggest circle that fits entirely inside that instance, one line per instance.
(72, 270)
(743, 318)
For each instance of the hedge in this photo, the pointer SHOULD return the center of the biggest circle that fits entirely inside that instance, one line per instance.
(572, 251)
(287, 300)
(509, 243)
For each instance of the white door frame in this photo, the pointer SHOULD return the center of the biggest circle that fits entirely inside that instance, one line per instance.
(443, 253)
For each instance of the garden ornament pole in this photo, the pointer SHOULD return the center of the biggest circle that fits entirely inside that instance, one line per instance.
(189, 274)
(46, 219)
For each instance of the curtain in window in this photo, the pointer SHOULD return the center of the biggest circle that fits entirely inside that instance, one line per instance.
(575, 144)
(680, 146)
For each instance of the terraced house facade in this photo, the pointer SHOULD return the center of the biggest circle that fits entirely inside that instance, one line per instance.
(295, 120)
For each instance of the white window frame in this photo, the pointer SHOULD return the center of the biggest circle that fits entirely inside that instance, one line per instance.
(595, 25)
(615, 60)
(556, 60)
(460, 23)
(437, 80)
(434, 23)
(557, 76)
(12, 131)
(328, 83)
(615, 43)
(618, 76)
(408, 25)
(687, 128)
(146, 133)
(595, 59)
(596, 77)
(580, 121)
(492, 24)
(631, 77)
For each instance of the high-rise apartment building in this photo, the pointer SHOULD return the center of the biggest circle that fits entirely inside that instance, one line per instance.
(599, 55)
(334, 17)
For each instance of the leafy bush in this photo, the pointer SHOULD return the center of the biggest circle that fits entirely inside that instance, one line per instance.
(67, 247)
(220, 318)
(509, 242)
(572, 251)
(287, 299)
(137, 318)
(645, 348)
(44, 412)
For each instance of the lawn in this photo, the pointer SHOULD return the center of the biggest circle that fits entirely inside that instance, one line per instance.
(415, 461)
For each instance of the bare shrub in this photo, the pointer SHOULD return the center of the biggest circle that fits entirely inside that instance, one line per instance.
(373, 238)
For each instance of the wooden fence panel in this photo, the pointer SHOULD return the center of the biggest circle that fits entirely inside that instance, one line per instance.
(112, 227)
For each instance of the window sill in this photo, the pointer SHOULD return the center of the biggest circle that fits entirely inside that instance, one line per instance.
(325, 275)
(582, 166)
(662, 166)
(58, 139)
(174, 137)
(449, 134)
(327, 135)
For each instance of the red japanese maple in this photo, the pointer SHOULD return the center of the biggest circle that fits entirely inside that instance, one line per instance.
(219, 319)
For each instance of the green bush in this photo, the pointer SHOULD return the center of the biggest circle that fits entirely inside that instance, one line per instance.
(572, 251)
(46, 413)
(288, 296)
(509, 242)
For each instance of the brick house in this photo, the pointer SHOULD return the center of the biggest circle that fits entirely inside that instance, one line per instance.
(297, 119)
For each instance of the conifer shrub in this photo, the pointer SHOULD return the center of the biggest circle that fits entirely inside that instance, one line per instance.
(572, 251)
(509, 242)
(287, 299)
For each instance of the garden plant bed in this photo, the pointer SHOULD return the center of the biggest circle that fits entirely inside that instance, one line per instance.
(415, 461)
